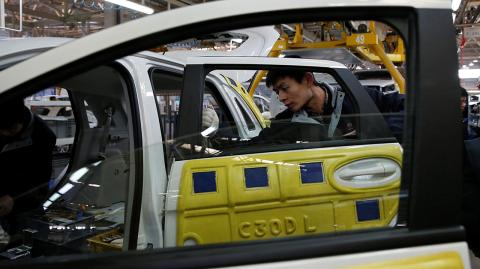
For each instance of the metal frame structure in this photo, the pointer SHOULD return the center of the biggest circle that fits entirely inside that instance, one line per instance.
(366, 44)
(3, 17)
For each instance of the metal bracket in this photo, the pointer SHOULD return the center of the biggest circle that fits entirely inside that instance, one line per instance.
(2, 16)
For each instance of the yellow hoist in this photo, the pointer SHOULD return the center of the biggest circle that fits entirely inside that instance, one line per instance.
(366, 44)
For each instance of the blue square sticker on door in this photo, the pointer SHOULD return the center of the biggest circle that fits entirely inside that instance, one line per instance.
(204, 182)
(256, 177)
(367, 210)
(311, 172)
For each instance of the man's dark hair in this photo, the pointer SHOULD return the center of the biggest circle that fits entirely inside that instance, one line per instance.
(463, 92)
(11, 113)
(274, 75)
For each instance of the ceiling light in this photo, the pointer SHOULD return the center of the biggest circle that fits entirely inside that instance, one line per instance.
(54, 197)
(47, 204)
(78, 174)
(132, 5)
(468, 73)
(470, 64)
(475, 61)
(65, 188)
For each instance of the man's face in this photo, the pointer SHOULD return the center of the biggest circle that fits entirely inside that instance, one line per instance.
(292, 94)
(463, 103)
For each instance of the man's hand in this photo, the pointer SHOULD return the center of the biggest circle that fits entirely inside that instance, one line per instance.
(6, 205)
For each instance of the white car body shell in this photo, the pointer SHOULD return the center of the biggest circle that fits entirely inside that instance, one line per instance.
(138, 66)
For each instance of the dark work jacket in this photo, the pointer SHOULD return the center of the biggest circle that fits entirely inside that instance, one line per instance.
(470, 212)
(27, 168)
(468, 132)
(283, 130)
(392, 106)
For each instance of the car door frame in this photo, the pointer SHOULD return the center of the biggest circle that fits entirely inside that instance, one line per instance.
(432, 215)
(199, 68)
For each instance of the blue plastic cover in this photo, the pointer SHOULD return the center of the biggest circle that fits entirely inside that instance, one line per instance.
(311, 172)
(368, 210)
(204, 182)
(256, 177)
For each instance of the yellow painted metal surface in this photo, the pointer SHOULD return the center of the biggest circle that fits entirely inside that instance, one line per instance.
(258, 78)
(284, 207)
(363, 39)
(391, 68)
(280, 45)
(249, 100)
(318, 45)
(298, 38)
(443, 260)
(370, 56)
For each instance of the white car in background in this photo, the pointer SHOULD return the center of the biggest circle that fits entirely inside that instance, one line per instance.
(383, 86)
(379, 80)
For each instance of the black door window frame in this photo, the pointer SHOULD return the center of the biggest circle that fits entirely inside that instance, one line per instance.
(376, 132)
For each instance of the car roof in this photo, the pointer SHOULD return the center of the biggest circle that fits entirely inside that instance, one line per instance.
(10, 46)
(160, 57)
(259, 43)
(265, 61)
(15, 50)
(107, 39)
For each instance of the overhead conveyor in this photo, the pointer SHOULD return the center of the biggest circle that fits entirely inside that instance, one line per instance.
(365, 42)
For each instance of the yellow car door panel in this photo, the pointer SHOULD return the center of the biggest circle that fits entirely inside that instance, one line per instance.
(279, 194)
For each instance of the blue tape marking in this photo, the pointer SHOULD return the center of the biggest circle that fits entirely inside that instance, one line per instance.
(368, 210)
(204, 182)
(311, 172)
(256, 177)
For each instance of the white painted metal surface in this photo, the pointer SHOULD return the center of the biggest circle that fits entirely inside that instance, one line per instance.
(377, 82)
(343, 261)
(14, 50)
(173, 190)
(265, 61)
(16, 45)
(151, 228)
(259, 43)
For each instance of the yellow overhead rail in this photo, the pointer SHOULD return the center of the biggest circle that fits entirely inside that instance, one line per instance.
(370, 40)
(280, 45)
(367, 45)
